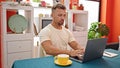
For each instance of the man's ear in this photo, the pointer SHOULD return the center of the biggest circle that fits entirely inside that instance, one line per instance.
(51, 14)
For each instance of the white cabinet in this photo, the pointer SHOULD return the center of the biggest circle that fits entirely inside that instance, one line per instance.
(77, 21)
(16, 45)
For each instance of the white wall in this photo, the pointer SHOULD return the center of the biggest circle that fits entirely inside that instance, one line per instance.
(93, 10)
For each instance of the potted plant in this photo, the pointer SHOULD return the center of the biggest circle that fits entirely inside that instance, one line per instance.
(98, 30)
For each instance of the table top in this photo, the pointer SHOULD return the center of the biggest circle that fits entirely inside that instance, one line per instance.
(48, 62)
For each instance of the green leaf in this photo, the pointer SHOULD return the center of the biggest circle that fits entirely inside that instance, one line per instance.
(97, 29)
(91, 34)
(98, 35)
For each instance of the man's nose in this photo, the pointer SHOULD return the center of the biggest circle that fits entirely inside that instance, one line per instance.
(63, 17)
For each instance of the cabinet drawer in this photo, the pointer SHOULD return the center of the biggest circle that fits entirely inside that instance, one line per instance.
(18, 56)
(17, 46)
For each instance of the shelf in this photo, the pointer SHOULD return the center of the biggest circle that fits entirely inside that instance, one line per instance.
(13, 37)
(42, 7)
(27, 13)
(77, 11)
(18, 7)
(77, 19)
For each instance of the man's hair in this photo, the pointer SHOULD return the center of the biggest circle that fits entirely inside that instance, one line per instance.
(59, 6)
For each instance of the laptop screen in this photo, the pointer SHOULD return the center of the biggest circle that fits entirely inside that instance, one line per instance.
(94, 50)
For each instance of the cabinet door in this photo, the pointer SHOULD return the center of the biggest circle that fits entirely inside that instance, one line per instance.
(17, 46)
(17, 56)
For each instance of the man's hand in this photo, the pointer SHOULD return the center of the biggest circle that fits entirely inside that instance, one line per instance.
(77, 52)
(82, 50)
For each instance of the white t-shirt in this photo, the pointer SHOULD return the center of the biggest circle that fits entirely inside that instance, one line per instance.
(59, 38)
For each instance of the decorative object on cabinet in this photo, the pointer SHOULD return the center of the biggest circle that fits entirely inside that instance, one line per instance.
(58, 1)
(74, 4)
(36, 1)
(17, 23)
(94, 0)
(98, 30)
(43, 3)
(81, 7)
(17, 46)
(9, 14)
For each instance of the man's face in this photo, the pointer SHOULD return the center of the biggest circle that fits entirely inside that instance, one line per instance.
(59, 16)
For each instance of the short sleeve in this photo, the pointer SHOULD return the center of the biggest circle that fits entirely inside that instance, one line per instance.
(44, 35)
(71, 37)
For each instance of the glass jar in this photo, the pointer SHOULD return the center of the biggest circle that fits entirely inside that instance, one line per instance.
(81, 7)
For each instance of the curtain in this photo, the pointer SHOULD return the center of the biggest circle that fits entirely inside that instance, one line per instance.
(110, 13)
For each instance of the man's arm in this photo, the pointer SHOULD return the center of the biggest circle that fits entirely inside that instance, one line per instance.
(51, 50)
(76, 46)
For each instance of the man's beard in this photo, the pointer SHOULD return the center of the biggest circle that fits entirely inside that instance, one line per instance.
(61, 23)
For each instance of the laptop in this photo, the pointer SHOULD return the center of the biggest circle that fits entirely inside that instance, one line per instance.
(94, 50)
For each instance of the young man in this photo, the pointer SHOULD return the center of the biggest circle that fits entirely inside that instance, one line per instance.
(55, 38)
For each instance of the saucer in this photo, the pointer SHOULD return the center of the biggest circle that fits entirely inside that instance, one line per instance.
(68, 63)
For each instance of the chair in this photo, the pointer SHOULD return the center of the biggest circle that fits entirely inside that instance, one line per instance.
(42, 52)
(35, 29)
(113, 45)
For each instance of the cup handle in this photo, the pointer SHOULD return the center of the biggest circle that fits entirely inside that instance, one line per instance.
(55, 58)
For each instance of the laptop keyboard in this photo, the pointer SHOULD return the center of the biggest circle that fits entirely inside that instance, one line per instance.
(80, 57)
